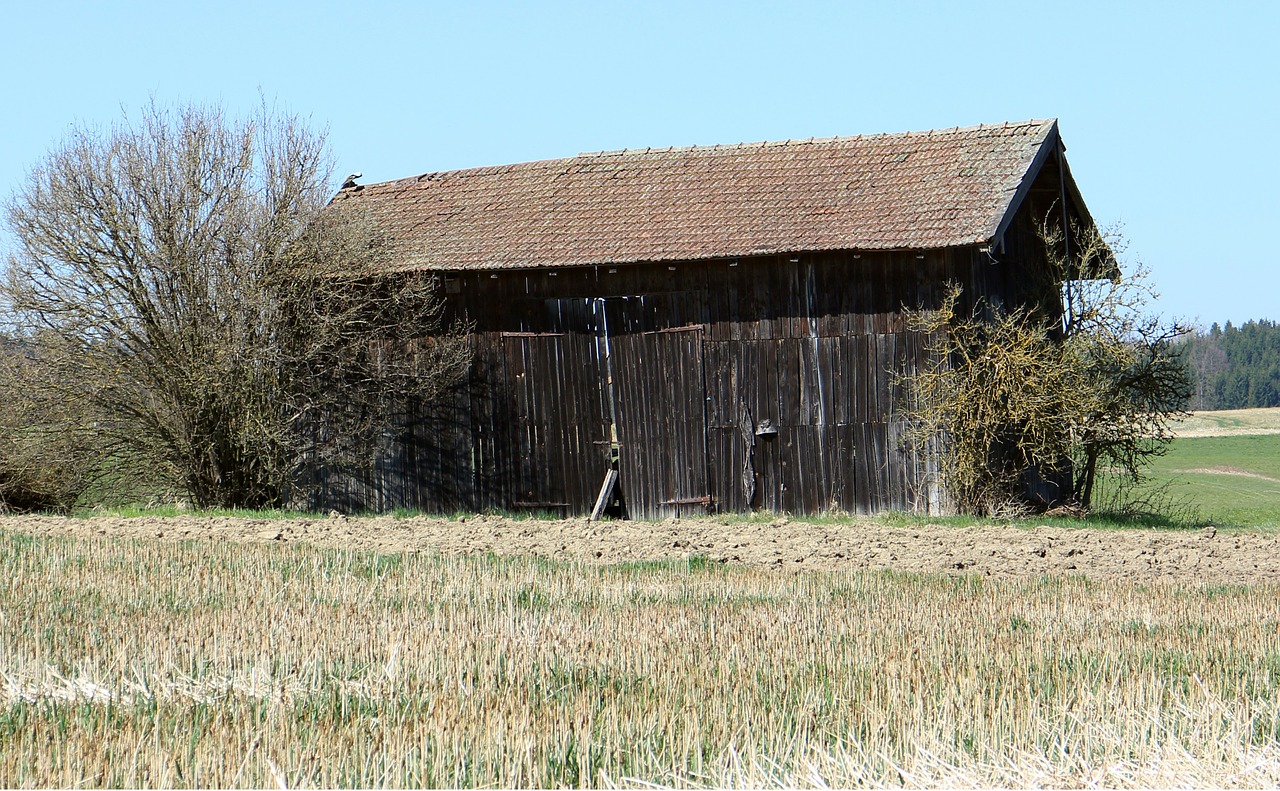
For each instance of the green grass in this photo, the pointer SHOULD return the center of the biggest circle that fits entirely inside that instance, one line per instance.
(139, 510)
(460, 516)
(130, 510)
(1259, 454)
(1097, 521)
(1231, 481)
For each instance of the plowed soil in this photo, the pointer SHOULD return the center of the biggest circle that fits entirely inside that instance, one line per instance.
(1191, 557)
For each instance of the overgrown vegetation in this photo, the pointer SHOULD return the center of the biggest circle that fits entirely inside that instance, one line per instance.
(1029, 405)
(184, 312)
(179, 664)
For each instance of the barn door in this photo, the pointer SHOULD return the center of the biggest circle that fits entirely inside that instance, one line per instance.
(660, 406)
(560, 432)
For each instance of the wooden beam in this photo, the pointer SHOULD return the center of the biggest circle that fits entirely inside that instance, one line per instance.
(606, 494)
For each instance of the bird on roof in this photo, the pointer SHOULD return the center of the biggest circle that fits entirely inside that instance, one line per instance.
(350, 181)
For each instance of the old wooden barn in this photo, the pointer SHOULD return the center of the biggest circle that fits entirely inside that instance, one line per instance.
(720, 324)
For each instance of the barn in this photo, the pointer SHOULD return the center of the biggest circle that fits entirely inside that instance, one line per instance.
(702, 329)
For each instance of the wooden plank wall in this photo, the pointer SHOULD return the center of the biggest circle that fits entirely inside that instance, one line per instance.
(795, 362)
(660, 395)
(559, 442)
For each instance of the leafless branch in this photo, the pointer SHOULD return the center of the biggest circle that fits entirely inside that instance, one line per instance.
(205, 311)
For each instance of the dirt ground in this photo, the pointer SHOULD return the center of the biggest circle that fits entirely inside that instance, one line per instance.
(1204, 556)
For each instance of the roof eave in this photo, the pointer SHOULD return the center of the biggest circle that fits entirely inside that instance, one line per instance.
(525, 266)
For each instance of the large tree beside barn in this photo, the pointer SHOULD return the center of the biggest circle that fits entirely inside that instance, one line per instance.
(724, 327)
(198, 322)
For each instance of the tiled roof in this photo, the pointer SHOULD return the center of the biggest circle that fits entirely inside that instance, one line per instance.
(916, 190)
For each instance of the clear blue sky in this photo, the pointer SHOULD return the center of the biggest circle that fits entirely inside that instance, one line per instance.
(1167, 109)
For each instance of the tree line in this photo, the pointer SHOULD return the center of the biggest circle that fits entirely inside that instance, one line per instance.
(1234, 367)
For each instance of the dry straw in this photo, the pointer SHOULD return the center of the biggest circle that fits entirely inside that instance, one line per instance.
(151, 663)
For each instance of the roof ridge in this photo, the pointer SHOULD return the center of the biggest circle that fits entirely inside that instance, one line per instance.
(725, 147)
(801, 141)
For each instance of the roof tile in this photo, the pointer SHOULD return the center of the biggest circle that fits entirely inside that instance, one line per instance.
(912, 190)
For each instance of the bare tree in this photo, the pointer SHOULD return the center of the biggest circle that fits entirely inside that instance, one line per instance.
(218, 322)
(1135, 383)
(1044, 398)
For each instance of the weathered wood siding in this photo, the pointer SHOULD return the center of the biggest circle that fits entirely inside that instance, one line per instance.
(730, 385)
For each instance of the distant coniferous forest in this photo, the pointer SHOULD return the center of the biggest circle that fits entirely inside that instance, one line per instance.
(1235, 367)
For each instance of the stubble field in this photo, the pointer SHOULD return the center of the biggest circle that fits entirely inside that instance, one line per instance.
(188, 659)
